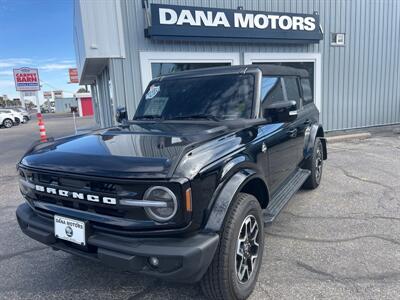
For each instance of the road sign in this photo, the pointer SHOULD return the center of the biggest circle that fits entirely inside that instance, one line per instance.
(73, 75)
(26, 79)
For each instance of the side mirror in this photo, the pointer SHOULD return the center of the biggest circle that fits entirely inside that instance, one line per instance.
(121, 115)
(281, 112)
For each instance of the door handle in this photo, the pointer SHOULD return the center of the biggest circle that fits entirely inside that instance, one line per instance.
(292, 132)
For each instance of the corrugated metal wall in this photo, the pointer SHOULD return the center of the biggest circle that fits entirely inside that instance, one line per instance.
(360, 81)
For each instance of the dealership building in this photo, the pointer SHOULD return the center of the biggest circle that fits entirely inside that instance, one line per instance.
(349, 48)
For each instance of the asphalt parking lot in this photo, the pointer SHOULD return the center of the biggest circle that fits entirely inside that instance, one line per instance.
(341, 241)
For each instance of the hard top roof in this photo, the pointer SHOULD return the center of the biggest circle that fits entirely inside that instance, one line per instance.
(266, 69)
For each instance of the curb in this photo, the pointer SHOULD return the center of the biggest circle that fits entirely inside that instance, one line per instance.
(348, 137)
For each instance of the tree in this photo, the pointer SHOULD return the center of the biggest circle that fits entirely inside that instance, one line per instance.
(16, 102)
(82, 90)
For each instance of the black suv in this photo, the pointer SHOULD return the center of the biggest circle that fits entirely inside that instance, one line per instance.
(183, 190)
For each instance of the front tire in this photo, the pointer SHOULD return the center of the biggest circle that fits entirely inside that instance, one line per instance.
(234, 270)
(26, 119)
(315, 165)
(8, 123)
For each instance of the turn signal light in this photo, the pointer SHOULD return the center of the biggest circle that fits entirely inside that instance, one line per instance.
(188, 197)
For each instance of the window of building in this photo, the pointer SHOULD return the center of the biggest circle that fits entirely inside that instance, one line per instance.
(158, 63)
(307, 91)
(159, 69)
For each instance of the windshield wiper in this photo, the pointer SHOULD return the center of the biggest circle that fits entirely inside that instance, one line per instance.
(197, 116)
(149, 117)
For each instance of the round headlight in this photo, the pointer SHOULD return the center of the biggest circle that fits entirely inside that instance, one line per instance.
(168, 203)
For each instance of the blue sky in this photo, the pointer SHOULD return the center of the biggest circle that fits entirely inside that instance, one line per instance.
(37, 33)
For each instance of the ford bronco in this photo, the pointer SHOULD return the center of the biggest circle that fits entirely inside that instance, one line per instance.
(183, 189)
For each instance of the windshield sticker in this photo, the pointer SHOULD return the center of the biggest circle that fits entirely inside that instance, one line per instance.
(153, 91)
(156, 106)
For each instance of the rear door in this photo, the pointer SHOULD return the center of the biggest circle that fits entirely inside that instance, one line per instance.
(296, 129)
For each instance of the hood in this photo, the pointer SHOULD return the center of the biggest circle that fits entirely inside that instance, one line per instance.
(148, 150)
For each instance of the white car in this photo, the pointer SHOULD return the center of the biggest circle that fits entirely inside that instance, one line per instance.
(18, 117)
(6, 120)
(23, 112)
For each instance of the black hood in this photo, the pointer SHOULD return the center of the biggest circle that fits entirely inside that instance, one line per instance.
(140, 150)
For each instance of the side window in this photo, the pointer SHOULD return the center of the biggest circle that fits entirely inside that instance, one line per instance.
(271, 90)
(292, 89)
(307, 92)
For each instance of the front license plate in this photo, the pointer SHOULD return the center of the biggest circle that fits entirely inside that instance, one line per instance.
(70, 230)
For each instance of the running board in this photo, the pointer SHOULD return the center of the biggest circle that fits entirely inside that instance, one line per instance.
(283, 196)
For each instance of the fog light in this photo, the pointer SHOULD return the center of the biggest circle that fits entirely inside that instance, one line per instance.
(154, 261)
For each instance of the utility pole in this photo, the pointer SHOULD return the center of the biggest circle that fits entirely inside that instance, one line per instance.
(37, 102)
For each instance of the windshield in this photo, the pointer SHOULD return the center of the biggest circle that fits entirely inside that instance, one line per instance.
(219, 97)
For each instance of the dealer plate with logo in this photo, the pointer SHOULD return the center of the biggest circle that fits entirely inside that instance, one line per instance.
(70, 230)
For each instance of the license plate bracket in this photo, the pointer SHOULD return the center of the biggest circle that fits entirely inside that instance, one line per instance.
(71, 230)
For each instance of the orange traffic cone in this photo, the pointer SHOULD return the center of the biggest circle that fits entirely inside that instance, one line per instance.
(42, 129)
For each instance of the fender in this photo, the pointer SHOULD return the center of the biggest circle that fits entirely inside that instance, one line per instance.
(225, 196)
(314, 131)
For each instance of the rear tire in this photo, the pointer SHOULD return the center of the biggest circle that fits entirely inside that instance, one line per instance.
(8, 123)
(315, 165)
(234, 270)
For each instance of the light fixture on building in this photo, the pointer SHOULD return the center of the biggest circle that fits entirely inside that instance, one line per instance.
(338, 39)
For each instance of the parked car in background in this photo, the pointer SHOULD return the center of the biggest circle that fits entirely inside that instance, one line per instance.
(17, 116)
(25, 114)
(6, 120)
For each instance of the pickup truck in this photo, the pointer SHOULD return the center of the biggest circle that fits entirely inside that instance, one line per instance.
(183, 189)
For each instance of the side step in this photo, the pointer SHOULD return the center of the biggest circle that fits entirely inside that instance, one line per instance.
(284, 194)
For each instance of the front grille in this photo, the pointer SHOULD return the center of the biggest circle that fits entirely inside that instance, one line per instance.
(102, 188)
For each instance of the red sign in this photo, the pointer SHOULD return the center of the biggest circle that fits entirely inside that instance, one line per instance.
(26, 79)
(73, 75)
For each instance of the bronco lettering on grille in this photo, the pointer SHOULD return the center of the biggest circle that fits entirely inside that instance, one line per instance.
(76, 195)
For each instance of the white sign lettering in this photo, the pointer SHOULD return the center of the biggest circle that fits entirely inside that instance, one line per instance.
(168, 16)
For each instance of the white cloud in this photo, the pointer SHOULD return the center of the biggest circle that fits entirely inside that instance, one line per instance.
(14, 62)
(6, 84)
(55, 66)
(6, 73)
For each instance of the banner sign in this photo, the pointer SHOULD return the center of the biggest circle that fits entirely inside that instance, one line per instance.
(199, 23)
(29, 94)
(73, 75)
(47, 94)
(26, 79)
(58, 94)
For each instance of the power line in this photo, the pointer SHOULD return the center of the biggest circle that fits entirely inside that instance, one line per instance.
(55, 88)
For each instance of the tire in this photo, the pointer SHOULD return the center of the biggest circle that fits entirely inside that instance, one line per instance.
(8, 123)
(222, 280)
(315, 165)
(26, 119)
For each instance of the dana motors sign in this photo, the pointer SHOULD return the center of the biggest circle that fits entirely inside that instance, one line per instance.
(197, 23)
(26, 79)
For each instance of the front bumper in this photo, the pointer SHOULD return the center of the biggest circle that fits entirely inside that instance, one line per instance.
(180, 259)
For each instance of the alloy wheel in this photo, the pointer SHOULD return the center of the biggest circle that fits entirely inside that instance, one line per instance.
(8, 124)
(247, 249)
